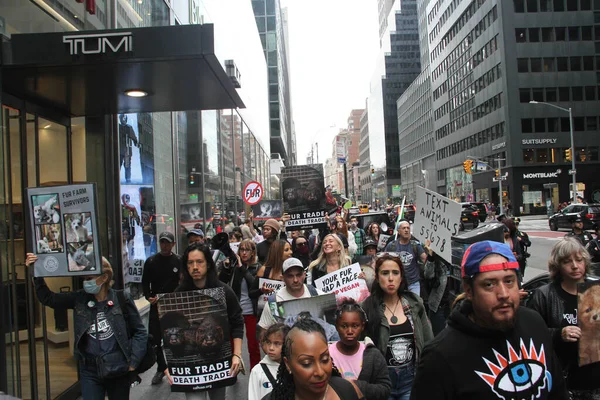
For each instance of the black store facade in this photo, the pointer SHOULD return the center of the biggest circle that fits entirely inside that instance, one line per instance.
(63, 99)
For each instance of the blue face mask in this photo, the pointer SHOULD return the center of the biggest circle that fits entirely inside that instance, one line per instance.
(91, 286)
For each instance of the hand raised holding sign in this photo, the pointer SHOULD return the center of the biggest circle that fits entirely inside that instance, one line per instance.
(427, 247)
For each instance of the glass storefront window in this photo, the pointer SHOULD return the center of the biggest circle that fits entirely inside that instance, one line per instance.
(542, 155)
(459, 185)
(528, 156)
(135, 13)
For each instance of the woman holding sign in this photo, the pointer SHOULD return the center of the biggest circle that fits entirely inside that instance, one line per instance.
(331, 258)
(280, 251)
(557, 303)
(397, 323)
(200, 272)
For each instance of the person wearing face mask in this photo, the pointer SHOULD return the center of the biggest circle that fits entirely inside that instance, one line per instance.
(359, 236)
(300, 250)
(107, 353)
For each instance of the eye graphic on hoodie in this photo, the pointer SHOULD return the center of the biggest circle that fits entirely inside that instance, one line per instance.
(520, 376)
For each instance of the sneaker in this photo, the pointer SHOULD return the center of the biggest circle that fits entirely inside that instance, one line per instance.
(158, 378)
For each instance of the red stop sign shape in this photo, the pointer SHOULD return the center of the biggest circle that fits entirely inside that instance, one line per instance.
(253, 193)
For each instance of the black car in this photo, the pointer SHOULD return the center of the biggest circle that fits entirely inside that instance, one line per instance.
(379, 217)
(469, 216)
(589, 213)
(482, 210)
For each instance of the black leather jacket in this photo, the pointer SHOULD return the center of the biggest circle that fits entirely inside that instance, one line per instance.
(233, 277)
(134, 349)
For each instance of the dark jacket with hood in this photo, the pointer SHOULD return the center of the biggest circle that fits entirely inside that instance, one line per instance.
(234, 276)
(374, 379)
(469, 362)
(551, 306)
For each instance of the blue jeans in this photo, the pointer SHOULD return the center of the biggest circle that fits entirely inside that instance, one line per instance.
(415, 288)
(402, 380)
(95, 388)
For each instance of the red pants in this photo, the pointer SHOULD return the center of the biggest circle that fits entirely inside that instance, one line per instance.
(253, 347)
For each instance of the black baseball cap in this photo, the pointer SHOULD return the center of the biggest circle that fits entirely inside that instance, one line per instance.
(166, 236)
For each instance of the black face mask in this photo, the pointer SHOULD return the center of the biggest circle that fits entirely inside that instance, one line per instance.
(302, 250)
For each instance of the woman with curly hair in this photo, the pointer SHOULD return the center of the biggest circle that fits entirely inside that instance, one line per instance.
(306, 371)
(397, 324)
(331, 258)
(373, 232)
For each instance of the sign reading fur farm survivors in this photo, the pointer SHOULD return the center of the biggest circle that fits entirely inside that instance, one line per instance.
(588, 320)
(304, 197)
(64, 222)
(269, 284)
(437, 218)
(196, 339)
(344, 283)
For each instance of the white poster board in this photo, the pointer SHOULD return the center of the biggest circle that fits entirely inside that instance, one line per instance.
(133, 271)
(437, 218)
(271, 284)
(344, 283)
(383, 241)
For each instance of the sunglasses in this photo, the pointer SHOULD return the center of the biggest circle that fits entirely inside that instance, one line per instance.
(301, 244)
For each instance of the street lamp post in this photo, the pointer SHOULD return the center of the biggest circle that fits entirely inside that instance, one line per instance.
(573, 171)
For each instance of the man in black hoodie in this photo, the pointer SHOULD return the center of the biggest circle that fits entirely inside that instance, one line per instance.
(491, 349)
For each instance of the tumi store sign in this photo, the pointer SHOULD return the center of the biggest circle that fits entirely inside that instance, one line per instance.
(99, 43)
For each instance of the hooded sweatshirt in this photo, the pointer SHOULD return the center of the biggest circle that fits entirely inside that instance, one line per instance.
(466, 361)
(259, 384)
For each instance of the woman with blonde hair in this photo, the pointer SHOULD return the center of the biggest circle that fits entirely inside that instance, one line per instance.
(331, 258)
(107, 353)
(556, 302)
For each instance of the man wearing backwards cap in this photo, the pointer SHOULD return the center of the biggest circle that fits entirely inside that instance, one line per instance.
(294, 276)
(491, 348)
(577, 232)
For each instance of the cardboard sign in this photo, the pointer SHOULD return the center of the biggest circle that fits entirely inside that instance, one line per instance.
(133, 271)
(383, 241)
(196, 337)
(344, 283)
(271, 284)
(304, 196)
(437, 219)
(64, 222)
(588, 310)
(267, 209)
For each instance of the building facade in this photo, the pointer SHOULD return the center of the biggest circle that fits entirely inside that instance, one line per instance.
(161, 162)
(365, 159)
(272, 21)
(489, 59)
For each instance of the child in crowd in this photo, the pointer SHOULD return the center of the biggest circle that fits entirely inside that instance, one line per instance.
(264, 375)
(360, 362)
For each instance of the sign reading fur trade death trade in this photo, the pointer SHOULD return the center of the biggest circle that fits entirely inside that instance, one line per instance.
(196, 339)
(437, 219)
(304, 200)
(345, 284)
(64, 222)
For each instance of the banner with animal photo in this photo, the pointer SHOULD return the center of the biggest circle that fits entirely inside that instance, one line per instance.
(269, 284)
(588, 320)
(437, 219)
(64, 223)
(267, 209)
(196, 339)
(344, 283)
(304, 197)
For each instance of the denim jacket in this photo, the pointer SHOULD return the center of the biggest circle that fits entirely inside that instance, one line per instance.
(133, 348)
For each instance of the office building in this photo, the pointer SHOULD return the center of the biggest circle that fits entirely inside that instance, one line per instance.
(366, 195)
(165, 161)
(271, 20)
(489, 59)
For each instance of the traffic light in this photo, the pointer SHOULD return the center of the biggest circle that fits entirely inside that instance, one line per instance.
(568, 154)
(497, 173)
(192, 179)
(468, 166)
(372, 171)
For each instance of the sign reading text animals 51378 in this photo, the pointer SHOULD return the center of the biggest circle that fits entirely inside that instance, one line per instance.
(437, 218)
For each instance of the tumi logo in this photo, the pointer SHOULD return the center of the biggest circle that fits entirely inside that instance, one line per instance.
(99, 43)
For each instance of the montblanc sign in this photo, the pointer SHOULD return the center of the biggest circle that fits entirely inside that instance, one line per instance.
(540, 175)
(538, 141)
(99, 43)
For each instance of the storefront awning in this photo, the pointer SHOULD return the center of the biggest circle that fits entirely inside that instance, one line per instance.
(89, 73)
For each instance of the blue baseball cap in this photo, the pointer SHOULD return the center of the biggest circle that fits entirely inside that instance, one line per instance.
(478, 251)
(195, 232)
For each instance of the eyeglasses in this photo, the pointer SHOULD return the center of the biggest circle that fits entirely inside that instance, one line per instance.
(244, 250)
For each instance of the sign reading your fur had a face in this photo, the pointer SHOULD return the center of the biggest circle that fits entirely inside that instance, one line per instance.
(64, 225)
(588, 320)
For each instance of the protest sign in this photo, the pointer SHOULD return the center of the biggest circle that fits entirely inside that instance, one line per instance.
(383, 241)
(344, 283)
(267, 209)
(587, 317)
(270, 284)
(235, 247)
(133, 271)
(437, 218)
(65, 230)
(304, 196)
(197, 345)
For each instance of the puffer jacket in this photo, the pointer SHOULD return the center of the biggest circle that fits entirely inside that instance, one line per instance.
(133, 348)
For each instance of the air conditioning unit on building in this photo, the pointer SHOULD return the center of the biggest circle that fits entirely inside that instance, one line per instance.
(234, 73)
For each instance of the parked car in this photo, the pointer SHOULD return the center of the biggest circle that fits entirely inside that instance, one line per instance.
(469, 216)
(354, 211)
(590, 214)
(481, 207)
(379, 217)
